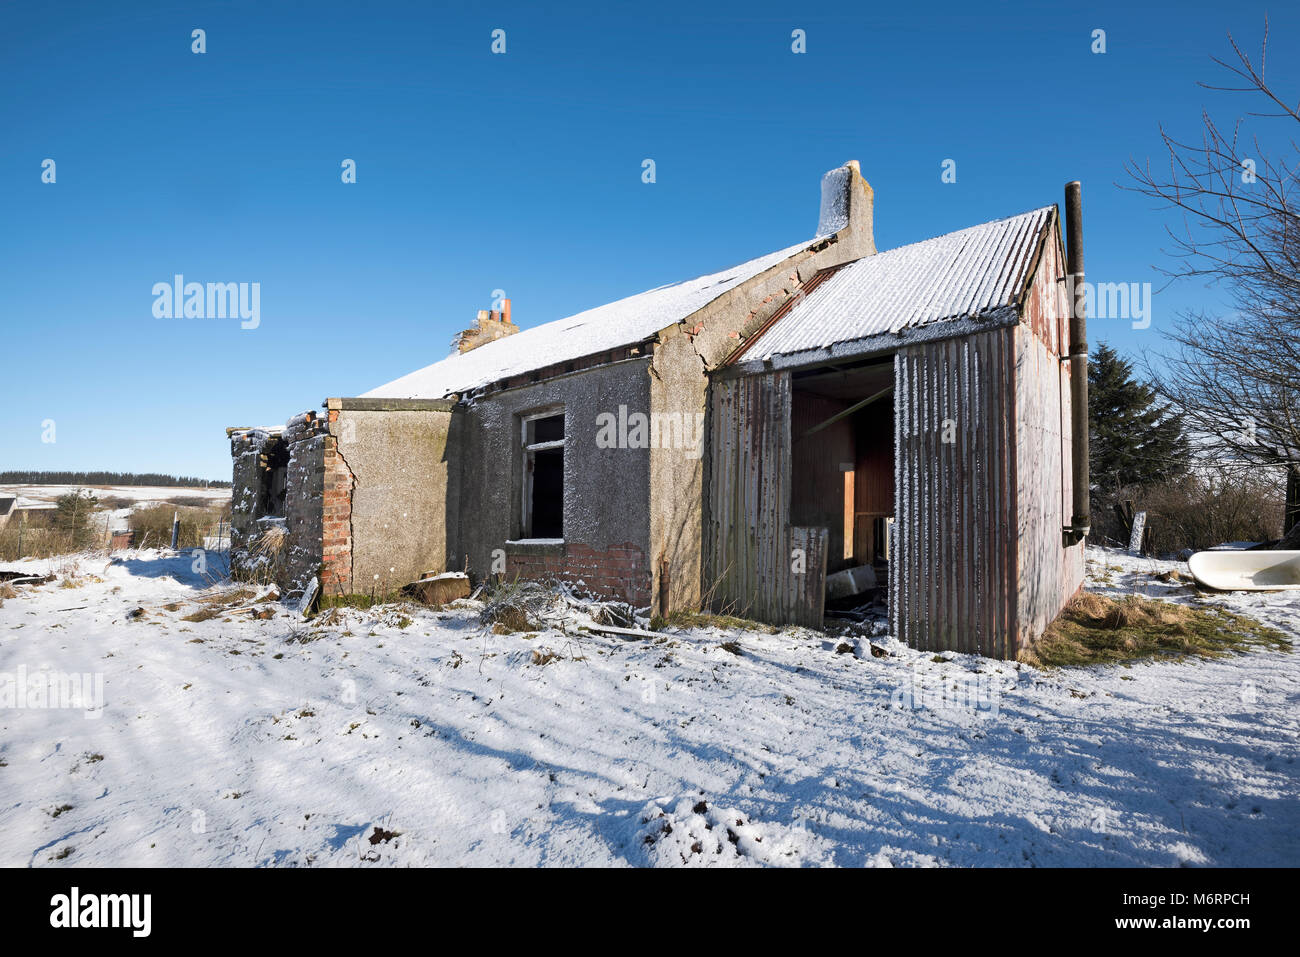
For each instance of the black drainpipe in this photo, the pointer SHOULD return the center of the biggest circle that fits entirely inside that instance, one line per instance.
(1080, 522)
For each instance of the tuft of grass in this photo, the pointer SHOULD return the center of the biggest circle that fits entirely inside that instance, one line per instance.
(515, 606)
(362, 602)
(507, 619)
(1096, 630)
(703, 619)
(203, 614)
(220, 603)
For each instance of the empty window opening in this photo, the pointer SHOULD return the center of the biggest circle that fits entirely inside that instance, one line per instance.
(274, 477)
(543, 476)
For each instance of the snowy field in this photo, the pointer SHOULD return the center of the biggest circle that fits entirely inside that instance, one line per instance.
(244, 740)
(35, 495)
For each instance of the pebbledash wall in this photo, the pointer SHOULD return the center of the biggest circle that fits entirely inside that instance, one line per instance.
(606, 510)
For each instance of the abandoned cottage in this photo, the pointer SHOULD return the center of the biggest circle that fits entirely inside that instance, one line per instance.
(799, 429)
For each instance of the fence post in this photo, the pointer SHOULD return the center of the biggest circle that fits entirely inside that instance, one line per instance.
(176, 528)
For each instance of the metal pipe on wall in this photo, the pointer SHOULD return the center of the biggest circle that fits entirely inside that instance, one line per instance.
(1080, 521)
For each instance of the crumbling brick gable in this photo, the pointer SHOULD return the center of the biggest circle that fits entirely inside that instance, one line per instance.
(336, 501)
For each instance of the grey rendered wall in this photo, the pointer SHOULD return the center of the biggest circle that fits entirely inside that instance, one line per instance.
(606, 491)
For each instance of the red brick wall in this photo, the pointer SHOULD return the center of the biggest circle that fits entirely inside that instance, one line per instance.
(619, 571)
(336, 538)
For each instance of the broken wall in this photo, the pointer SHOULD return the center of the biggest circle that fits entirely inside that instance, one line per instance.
(304, 436)
(275, 513)
(251, 453)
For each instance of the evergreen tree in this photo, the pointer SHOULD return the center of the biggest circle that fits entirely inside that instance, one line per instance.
(72, 516)
(1133, 439)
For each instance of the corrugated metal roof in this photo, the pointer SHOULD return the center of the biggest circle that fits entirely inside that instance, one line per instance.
(960, 275)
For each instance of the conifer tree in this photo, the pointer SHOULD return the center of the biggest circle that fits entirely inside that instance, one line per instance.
(1133, 438)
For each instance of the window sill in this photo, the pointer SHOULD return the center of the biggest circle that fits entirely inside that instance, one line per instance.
(536, 546)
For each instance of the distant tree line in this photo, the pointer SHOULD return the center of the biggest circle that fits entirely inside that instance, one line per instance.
(19, 477)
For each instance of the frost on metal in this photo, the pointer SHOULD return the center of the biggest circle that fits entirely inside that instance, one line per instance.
(960, 279)
(834, 214)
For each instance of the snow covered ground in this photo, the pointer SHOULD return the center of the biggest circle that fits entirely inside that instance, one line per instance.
(241, 740)
(36, 495)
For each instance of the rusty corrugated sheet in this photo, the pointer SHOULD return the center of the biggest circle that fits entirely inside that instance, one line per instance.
(959, 276)
(750, 545)
(953, 581)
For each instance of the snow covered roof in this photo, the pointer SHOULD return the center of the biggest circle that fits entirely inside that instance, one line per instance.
(957, 276)
(612, 326)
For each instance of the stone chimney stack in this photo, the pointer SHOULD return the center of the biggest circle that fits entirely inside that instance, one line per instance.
(488, 327)
(847, 212)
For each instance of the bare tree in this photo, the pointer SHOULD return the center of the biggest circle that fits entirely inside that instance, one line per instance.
(1236, 377)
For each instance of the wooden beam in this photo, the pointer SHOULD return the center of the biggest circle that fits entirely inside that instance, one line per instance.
(843, 413)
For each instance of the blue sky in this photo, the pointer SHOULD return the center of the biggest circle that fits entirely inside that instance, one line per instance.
(520, 171)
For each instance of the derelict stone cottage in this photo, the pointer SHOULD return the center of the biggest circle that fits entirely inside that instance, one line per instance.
(795, 430)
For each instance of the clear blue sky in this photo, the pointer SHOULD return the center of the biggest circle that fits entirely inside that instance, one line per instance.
(521, 172)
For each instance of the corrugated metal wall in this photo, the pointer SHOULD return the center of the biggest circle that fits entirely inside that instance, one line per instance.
(954, 570)
(751, 567)
(1049, 572)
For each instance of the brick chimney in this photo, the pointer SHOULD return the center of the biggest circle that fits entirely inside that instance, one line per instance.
(847, 212)
(488, 327)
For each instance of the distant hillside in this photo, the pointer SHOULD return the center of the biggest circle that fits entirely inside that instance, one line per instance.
(107, 478)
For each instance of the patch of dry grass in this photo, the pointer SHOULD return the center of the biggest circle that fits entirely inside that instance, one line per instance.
(213, 606)
(703, 619)
(1095, 629)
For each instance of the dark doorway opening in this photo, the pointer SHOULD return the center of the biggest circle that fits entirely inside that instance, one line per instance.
(842, 474)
